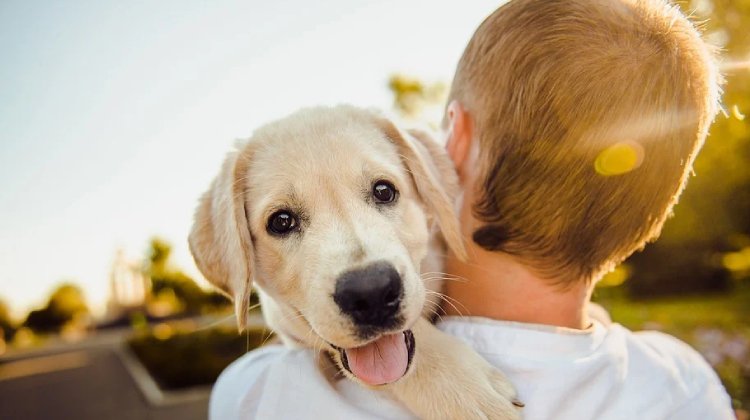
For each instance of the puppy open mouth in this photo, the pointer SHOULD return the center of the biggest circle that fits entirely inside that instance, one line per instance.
(382, 361)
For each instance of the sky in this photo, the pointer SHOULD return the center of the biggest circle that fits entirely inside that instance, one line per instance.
(115, 116)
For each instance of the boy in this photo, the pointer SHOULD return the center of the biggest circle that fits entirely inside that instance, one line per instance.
(573, 126)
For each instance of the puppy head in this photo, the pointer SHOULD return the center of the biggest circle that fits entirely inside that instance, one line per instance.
(329, 212)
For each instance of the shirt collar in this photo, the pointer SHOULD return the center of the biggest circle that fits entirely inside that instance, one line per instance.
(491, 336)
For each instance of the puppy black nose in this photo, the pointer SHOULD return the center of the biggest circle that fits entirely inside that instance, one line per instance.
(370, 295)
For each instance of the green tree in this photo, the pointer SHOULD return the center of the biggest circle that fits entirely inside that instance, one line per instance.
(166, 278)
(417, 100)
(66, 304)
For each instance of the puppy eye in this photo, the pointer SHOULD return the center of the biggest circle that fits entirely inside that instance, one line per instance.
(282, 222)
(384, 192)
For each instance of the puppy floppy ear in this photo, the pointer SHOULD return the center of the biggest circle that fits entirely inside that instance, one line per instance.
(434, 176)
(220, 238)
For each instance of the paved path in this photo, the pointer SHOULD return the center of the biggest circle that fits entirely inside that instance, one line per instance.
(80, 382)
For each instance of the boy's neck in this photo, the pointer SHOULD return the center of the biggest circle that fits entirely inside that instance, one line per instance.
(495, 285)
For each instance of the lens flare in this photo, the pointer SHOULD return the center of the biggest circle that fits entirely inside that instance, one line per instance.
(735, 65)
(618, 159)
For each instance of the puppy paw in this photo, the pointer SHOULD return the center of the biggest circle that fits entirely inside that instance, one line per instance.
(449, 380)
(500, 401)
(482, 392)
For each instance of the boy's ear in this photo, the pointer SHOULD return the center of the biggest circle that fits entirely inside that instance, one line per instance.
(459, 136)
(220, 238)
(434, 177)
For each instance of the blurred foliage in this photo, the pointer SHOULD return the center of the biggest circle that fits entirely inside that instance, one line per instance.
(172, 287)
(7, 326)
(417, 100)
(26, 338)
(181, 359)
(66, 305)
(720, 188)
(701, 247)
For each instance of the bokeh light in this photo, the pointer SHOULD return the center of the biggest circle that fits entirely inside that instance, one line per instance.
(619, 158)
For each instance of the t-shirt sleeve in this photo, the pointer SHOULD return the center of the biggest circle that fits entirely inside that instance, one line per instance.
(710, 403)
(706, 397)
(232, 394)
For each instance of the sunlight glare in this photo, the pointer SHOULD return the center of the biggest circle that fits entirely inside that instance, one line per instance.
(618, 159)
(735, 65)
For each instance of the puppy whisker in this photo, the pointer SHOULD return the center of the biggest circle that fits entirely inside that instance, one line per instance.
(444, 276)
(426, 280)
(449, 300)
(216, 323)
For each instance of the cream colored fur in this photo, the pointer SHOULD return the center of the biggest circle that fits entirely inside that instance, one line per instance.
(322, 163)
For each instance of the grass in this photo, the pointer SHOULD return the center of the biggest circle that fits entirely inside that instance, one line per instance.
(718, 326)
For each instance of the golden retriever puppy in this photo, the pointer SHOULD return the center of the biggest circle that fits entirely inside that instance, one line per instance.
(329, 213)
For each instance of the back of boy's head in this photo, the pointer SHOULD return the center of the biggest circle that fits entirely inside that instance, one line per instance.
(589, 115)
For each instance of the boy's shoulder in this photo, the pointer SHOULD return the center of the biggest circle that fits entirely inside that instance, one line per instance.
(656, 360)
(672, 355)
(605, 372)
(655, 350)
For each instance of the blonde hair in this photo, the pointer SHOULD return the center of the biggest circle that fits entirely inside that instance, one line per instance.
(589, 115)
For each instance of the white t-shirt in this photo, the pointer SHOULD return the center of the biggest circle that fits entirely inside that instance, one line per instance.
(605, 372)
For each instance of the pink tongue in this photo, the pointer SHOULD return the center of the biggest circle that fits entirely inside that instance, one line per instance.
(381, 361)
